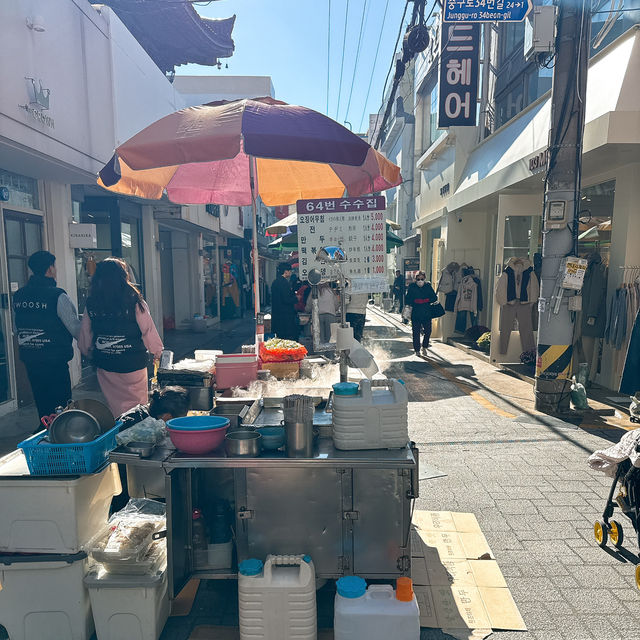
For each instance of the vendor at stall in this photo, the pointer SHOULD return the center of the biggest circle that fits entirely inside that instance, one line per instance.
(284, 320)
(165, 404)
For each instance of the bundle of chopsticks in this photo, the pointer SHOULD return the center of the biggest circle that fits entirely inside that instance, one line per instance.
(298, 408)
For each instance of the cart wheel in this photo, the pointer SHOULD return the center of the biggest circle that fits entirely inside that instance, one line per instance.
(616, 534)
(601, 532)
(638, 576)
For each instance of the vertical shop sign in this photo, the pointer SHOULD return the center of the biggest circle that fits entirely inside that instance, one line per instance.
(459, 53)
(357, 226)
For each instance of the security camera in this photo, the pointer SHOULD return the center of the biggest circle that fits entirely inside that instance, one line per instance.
(459, 218)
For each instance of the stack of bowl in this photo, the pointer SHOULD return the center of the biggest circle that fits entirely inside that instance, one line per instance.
(197, 434)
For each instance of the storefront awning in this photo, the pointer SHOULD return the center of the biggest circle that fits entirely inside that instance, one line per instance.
(502, 160)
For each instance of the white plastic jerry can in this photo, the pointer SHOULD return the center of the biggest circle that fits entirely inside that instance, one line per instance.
(375, 613)
(372, 415)
(277, 599)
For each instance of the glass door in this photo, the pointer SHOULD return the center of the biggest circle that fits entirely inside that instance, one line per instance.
(23, 236)
(518, 236)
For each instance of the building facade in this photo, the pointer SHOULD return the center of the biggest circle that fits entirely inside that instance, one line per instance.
(481, 188)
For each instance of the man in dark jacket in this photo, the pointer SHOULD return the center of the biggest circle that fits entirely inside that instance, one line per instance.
(46, 322)
(284, 320)
(420, 297)
(398, 291)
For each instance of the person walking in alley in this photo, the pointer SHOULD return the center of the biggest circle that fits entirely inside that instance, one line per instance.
(327, 310)
(46, 323)
(356, 313)
(118, 333)
(284, 320)
(398, 290)
(420, 297)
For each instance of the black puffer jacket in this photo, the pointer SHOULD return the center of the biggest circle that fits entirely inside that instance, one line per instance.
(420, 300)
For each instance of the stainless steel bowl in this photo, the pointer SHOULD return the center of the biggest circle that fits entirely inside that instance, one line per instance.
(74, 427)
(243, 443)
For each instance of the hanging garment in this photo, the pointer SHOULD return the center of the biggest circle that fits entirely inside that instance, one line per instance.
(450, 279)
(594, 299)
(517, 283)
(467, 296)
(630, 383)
(616, 330)
(508, 313)
(480, 305)
(461, 320)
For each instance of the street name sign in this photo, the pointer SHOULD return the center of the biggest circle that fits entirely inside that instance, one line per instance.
(486, 10)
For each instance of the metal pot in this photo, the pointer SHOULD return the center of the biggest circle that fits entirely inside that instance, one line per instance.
(74, 426)
(243, 443)
(200, 398)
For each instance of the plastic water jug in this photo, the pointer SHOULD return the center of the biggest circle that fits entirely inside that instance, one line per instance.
(277, 600)
(376, 613)
(372, 415)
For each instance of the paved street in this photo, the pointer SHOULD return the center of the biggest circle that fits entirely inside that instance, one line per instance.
(531, 490)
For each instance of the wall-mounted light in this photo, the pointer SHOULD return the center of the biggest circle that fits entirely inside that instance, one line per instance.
(35, 23)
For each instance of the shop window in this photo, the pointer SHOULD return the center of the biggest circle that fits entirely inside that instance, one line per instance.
(596, 219)
(23, 191)
(430, 131)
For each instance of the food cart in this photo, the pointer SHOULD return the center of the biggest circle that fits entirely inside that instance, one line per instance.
(349, 510)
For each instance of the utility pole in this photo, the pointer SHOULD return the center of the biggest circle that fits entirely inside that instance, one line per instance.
(561, 203)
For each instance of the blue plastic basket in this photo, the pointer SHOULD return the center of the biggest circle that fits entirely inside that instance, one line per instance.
(46, 459)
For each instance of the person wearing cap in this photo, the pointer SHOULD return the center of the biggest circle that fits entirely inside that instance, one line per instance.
(46, 323)
(284, 320)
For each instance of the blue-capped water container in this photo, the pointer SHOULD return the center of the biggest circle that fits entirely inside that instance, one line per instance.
(371, 415)
(277, 599)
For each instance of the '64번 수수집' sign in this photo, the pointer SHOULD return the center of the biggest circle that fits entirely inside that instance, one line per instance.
(459, 51)
(486, 10)
(357, 226)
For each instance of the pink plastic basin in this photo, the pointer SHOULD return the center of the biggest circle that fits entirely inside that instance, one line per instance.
(197, 442)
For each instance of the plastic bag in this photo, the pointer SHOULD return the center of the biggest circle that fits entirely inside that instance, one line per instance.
(147, 430)
(578, 395)
(406, 312)
(276, 350)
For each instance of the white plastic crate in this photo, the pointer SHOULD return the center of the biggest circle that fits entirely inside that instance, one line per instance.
(128, 607)
(44, 598)
(52, 515)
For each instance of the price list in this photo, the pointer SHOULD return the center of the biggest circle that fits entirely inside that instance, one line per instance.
(359, 232)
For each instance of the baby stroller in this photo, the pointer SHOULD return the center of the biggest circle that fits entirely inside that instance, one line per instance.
(627, 480)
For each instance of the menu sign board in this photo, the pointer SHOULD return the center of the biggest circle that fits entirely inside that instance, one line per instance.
(357, 226)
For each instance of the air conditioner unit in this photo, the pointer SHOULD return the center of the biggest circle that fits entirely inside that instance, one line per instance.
(540, 31)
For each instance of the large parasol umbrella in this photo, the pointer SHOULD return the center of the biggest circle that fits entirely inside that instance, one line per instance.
(232, 152)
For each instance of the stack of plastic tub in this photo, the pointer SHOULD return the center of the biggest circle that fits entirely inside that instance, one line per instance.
(45, 524)
(128, 585)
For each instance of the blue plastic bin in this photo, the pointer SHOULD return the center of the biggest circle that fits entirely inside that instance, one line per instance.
(46, 459)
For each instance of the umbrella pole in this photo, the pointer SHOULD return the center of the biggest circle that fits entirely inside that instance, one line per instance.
(254, 251)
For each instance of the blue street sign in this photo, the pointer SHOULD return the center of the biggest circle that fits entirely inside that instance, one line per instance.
(486, 10)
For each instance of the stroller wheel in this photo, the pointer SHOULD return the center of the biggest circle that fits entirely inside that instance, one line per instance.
(601, 532)
(616, 534)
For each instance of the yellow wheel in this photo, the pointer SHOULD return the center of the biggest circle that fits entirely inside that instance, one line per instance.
(638, 576)
(616, 534)
(601, 532)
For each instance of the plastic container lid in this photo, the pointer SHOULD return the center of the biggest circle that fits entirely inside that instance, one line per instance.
(404, 589)
(306, 559)
(351, 586)
(345, 389)
(250, 567)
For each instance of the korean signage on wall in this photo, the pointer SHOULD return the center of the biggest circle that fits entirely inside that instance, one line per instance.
(459, 52)
(357, 226)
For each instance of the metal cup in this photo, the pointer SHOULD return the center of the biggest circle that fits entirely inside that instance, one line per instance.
(299, 439)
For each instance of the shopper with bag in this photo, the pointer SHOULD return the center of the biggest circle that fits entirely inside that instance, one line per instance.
(420, 297)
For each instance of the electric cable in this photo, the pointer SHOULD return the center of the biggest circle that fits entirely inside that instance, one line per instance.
(375, 59)
(363, 20)
(344, 46)
(328, 54)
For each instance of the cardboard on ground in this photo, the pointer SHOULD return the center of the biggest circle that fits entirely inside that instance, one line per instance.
(458, 583)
